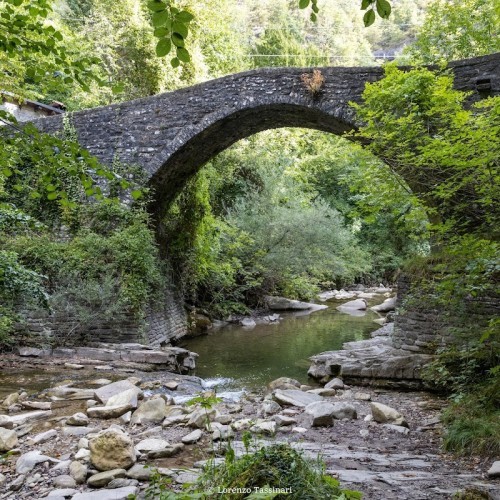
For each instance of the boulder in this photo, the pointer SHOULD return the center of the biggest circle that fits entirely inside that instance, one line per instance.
(10, 400)
(353, 307)
(344, 410)
(335, 383)
(267, 427)
(192, 437)
(248, 322)
(284, 304)
(151, 411)
(78, 419)
(222, 432)
(384, 414)
(78, 471)
(320, 413)
(139, 472)
(125, 398)
(386, 306)
(153, 444)
(200, 416)
(111, 449)
(64, 481)
(101, 479)
(295, 397)
(8, 439)
(6, 422)
(284, 383)
(270, 407)
(284, 421)
(104, 393)
(494, 470)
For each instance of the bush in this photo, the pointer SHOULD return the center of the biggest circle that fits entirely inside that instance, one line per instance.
(277, 466)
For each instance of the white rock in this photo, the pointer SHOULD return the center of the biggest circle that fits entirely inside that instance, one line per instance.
(320, 413)
(82, 454)
(384, 414)
(78, 471)
(42, 437)
(78, 419)
(26, 462)
(397, 428)
(267, 427)
(8, 439)
(192, 437)
(335, 383)
(296, 397)
(6, 422)
(299, 430)
(104, 393)
(386, 306)
(270, 407)
(494, 470)
(147, 445)
(151, 411)
(124, 398)
(344, 410)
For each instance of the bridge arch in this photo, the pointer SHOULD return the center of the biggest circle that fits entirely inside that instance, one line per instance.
(196, 145)
(172, 135)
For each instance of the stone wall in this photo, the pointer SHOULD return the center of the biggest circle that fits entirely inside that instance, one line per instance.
(422, 329)
(164, 324)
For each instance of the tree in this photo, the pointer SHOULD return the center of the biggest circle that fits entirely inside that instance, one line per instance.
(457, 30)
(172, 24)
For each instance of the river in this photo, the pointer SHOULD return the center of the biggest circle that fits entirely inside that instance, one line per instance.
(250, 358)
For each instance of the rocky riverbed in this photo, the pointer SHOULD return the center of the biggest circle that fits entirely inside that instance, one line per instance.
(90, 436)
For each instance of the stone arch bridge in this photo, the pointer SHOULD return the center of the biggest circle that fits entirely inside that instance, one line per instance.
(172, 135)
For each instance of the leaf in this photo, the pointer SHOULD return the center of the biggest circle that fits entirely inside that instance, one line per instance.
(365, 4)
(369, 18)
(7, 172)
(136, 194)
(156, 6)
(383, 8)
(184, 16)
(180, 28)
(313, 17)
(177, 40)
(183, 55)
(303, 4)
(161, 32)
(160, 18)
(163, 47)
(175, 62)
(52, 196)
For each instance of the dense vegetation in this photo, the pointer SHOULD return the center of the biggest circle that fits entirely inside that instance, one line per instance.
(284, 212)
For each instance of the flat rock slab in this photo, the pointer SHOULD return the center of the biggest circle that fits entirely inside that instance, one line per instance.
(27, 462)
(296, 398)
(31, 416)
(114, 494)
(106, 392)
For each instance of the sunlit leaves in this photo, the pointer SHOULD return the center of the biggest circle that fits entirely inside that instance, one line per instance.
(380, 7)
(171, 28)
(28, 39)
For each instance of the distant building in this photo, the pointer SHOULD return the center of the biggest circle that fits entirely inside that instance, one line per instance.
(25, 110)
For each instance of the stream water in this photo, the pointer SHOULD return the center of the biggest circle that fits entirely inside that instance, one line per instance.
(238, 357)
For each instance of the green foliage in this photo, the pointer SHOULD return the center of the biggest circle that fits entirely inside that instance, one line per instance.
(33, 52)
(457, 30)
(18, 286)
(418, 125)
(277, 466)
(171, 28)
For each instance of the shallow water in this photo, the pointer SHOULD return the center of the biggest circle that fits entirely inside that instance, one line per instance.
(252, 358)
